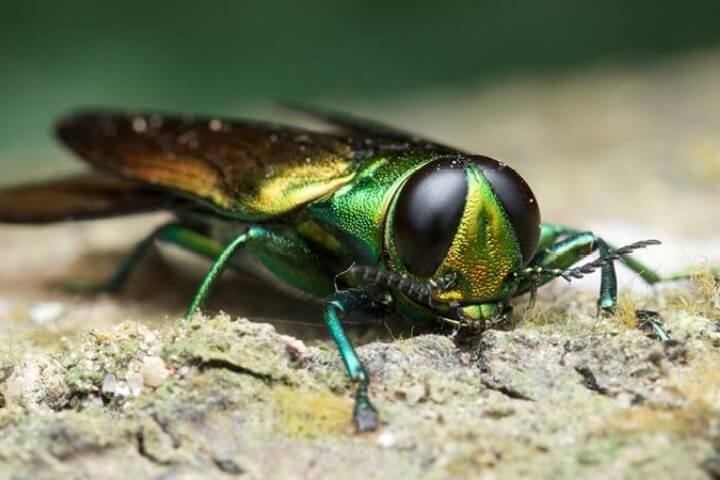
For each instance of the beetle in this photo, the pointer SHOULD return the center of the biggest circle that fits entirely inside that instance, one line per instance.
(362, 216)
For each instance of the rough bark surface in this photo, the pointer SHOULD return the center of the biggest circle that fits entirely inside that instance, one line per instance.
(120, 387)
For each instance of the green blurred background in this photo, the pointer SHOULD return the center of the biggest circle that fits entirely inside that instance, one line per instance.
(236, 57)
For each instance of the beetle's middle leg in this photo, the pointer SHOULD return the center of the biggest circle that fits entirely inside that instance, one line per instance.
(285, 255)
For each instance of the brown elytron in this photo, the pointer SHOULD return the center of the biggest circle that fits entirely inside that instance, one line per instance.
(249, 170)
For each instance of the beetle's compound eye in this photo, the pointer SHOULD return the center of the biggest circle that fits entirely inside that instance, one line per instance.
(427, 215)
(518, 201)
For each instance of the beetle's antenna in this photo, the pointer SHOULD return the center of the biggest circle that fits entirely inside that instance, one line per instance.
(417, 290)
(579, 272)
(609, 257)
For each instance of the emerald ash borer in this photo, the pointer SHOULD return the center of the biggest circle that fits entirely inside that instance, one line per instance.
(364, 216)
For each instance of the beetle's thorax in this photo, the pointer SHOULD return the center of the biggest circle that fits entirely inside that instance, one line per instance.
(356, 213)
(482, 247)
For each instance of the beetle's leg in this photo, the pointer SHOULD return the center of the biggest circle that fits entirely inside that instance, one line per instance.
(549, 234)
(172, 233)
(336, 307)
(608, 280)
(565, 253)
(215, 272)
(284, 254)
(652, 277)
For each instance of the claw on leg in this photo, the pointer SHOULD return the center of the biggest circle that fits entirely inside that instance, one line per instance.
(650, 319)
(365, 416)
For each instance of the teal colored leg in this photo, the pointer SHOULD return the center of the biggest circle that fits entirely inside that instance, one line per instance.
(649, 318)
(565, 253)
(193, 241)
(169, 232)
(337, 306)
(560, 247)
(652, 277)
(282, 253)
(549, 235)
(214, 273)
(608, 281)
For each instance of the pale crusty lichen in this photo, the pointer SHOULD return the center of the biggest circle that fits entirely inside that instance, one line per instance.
(538, 399)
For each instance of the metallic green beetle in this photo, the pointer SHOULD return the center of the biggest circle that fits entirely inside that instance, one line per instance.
(366, 216)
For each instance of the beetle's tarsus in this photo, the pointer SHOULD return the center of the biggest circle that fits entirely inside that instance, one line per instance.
(651, 320)
(365, 416)
(606, 306)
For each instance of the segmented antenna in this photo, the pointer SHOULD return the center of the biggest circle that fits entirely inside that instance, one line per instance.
(418, 290)
(532, 273)
(609, 257)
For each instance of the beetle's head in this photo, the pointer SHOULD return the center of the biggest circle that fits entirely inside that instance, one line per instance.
(472, 218)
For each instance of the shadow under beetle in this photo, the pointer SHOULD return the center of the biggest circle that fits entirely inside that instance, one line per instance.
(365, 216)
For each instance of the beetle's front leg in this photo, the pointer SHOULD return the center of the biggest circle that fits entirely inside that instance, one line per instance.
(549, 241)
(565, 253)
(337, 307)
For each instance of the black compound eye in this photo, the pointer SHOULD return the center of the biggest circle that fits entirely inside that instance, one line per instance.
(518, 201)
(427, 215)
